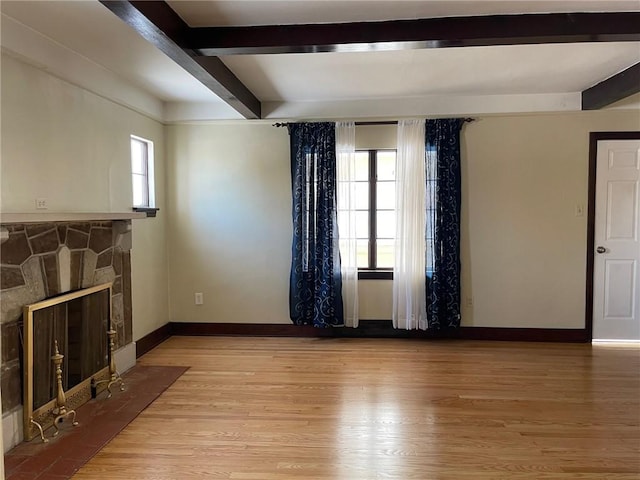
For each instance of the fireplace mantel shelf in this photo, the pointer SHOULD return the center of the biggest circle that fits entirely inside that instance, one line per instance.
(41, 217)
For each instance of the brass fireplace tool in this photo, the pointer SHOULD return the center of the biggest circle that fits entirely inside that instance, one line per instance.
(114, 376)
(60, 409)
(61, 399)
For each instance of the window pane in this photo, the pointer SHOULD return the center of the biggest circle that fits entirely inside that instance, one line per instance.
(362, 225)
(139, 191)
(386, 195)
(362, 166)
(430, 224)
(138, 157)
(344, 189)
(385, 253)
(432, 163)
(362, 195)
(431, 193)
(363, 253)
(386, 165)
(386, 224)
(360, 191)
(429, 258)
(343, 224)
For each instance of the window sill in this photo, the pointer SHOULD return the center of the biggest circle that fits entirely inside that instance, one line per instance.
(149, 211)
(375, 274)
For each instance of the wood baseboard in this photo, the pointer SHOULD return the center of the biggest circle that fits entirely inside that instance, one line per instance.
(257, 329)
(153, 339)
(381, 329)
(564, 335)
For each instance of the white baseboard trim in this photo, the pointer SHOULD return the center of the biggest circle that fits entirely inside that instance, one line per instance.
(606, 341)
(125, 357)
(12, 428)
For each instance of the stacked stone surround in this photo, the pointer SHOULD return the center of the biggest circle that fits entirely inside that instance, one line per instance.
(42, 260)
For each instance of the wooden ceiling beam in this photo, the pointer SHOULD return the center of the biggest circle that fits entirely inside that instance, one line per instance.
(413, 34)
(622, 85)
(197, 49)
(161, 26)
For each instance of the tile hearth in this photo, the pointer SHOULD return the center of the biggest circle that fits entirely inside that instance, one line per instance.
(100, 421)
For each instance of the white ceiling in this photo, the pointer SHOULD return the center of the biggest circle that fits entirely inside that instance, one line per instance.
(92, 31)
(62, 35)
(516, 69)
(283, 12)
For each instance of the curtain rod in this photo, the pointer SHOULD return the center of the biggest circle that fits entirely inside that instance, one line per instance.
(385, 122)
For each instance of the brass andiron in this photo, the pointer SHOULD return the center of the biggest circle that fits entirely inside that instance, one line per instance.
(114, 376)
(44, 440)
(61, 399)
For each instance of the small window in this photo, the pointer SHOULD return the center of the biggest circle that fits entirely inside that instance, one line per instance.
(375, 215)
(142, 173)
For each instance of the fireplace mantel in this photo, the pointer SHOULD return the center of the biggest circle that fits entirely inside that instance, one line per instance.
(43, 217)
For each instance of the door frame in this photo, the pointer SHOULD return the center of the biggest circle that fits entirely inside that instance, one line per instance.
(594, 137)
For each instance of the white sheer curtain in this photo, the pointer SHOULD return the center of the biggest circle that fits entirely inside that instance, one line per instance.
(346, 171)
(409, 288)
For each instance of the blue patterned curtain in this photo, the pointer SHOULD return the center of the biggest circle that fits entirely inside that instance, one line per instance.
(443, 223)
(315, 289)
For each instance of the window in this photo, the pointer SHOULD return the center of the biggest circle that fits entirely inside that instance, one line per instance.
(310, 200)
(142, 174)
(432, 211)
(375, 217)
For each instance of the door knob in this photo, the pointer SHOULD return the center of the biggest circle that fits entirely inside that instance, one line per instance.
(601, 250)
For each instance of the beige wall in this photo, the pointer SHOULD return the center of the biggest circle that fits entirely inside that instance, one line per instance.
(72, 147)
(230, 223)
(230, 227)
(523, 248)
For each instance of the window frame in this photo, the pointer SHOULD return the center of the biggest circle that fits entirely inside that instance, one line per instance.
(148, 207)
(373, 272)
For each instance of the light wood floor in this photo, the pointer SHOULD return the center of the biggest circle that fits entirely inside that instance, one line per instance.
(350, 409)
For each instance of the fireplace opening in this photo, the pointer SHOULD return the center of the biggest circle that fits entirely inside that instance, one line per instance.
(77, 324)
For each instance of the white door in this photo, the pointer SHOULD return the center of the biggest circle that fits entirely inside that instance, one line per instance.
(616, 283)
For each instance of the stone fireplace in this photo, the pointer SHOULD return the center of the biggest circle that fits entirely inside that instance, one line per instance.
(45, 259)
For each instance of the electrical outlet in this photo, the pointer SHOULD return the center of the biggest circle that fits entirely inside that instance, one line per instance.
(469, 301)
(579, 210)
(199, 298)
(41, 204)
